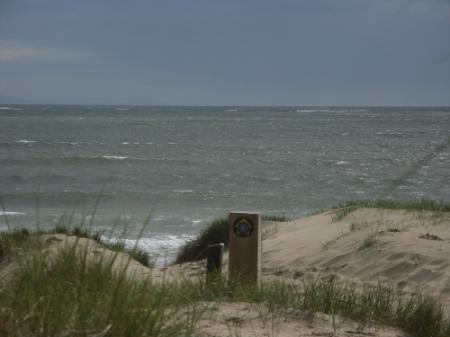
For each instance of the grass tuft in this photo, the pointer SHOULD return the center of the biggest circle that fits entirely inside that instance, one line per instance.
(368, 242)
(68, 296)
(420, 205)
(215, 232)
(275, 217)
(137, 254)
(12, 239)
(196, 249)
(15, 237)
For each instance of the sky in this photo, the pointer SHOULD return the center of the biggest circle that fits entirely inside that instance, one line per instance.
(226, 52)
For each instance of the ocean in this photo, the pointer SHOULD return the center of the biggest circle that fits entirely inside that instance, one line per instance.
(183, 166)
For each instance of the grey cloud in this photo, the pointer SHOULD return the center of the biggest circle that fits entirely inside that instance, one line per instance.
(18, 52)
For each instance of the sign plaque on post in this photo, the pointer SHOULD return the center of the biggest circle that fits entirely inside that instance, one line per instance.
(245, 247)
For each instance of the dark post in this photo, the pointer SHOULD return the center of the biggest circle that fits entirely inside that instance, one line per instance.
(214, 260)
(244, 260)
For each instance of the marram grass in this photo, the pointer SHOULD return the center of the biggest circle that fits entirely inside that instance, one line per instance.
(214, 232)
(65, 295)
(347, 207)
(16, 237)
(68, 295)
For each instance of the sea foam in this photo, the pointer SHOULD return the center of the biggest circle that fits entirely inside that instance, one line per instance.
(10, 108)
(3, 213)
(162, 248)
(115, 157)
(25, 141)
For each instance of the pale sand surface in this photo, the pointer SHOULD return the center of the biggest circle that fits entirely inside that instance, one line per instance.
(366, 246)
(245, 319)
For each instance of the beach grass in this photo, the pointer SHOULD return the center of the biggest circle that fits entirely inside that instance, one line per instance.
(16, 237)
(67, 294)
(275, 217)
(347, 207)
(13, 240)
(214, 232)
(196, 249)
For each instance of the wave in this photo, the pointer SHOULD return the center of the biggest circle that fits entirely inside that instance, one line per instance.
(3, 213)
(10, 108)
(70, 143)
(114, 157)
(307, 110)
(93, 158)
(183, 191)
(25, 141)
(89, 159)
(161, 247)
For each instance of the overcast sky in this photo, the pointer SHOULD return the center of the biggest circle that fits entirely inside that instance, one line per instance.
(226, 52)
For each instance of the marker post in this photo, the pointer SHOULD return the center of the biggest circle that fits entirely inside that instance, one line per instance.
(245, 247)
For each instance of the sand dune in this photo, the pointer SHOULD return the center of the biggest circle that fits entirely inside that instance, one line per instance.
(405, 249)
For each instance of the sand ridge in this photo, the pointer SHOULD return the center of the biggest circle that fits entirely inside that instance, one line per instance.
(405, 249)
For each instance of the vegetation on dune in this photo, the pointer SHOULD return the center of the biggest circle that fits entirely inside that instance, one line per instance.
(16, 238)
(196, 249)
(347, 207)
(12, 240)
(137, 254)
(275, 217)
(70, 295)
(215, 232)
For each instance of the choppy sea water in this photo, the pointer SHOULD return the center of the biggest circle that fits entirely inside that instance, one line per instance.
(184, 166)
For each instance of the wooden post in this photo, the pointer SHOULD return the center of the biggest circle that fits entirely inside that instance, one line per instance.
(245, 247)
(214, 261)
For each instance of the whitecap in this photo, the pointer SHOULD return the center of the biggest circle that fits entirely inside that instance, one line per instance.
(183, 191)
(70, 143)
(25, 141)
(306, 110)
(125, 143)
(115, 157)
(10, 108)
(3, 213)
(341, 162)
(162, 248)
